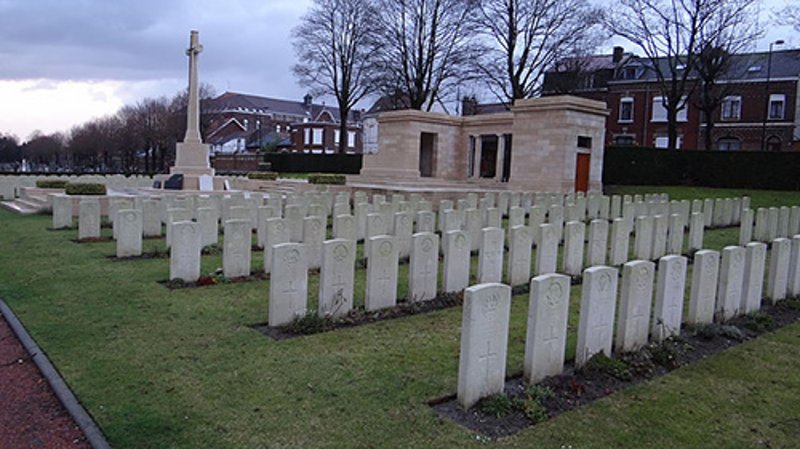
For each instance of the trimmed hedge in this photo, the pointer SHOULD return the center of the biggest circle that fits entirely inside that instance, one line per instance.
(85, 188)
(262, 176)
(346, 164)
(723, 169)
(327, 178)
(51, 183)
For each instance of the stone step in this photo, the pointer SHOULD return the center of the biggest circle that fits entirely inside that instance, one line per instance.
(17, 208)
(30, 203)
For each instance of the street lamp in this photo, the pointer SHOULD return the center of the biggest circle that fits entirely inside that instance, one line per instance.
(766, 95)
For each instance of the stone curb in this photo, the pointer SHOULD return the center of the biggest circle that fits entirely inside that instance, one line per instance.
(62, 391)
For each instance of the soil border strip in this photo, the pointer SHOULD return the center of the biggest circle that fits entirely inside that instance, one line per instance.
(94, 435)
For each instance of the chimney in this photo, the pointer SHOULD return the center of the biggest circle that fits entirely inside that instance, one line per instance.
(618, 52)
(469, 106)
(307, 101)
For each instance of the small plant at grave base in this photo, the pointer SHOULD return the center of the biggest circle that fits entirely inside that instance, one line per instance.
(205, 281)
(639, 362)
(310, 323)
(497, 405)
(759, 322)
(791, 303)
(716, 330)
(533, 403)
(669, 353)
(601, 363)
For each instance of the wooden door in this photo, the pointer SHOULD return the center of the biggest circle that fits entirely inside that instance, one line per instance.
(582, 172)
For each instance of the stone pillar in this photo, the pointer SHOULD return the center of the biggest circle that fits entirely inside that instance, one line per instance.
(476, 173)
(501, 154)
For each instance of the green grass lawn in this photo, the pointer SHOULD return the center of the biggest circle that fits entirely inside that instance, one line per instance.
(161, 368)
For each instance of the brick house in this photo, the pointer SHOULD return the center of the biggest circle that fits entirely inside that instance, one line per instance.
(756, 110)
(240, 123)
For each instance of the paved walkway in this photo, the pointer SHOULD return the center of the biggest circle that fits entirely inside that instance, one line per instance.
(30, 414)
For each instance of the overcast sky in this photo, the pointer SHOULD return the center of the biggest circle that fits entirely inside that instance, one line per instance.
(67, 61)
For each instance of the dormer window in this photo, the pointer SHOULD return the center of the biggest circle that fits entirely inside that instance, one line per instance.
(629, 73)
(754, 68)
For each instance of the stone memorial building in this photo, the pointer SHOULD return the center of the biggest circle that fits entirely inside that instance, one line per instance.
(543, 144)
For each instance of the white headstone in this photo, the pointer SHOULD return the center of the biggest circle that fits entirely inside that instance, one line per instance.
(574, 238)
(794, 268)
(705, 274)
(643, 243)
(668, 313)
(314, 230)
(729, 290)
(598, 308)
(337, 277)
(547, 251)
(660, 229)
(403, 229)
(426, 221)
(490, 257)
(546, 338)
(382, 268)
(598, 243)
(456, 261)
(62, 211)
(277, 233)
(236, 255)
(635, 303)
(294, 215)
(344, 227)
(184, 261)
(778, 281)
(519, 255)
(474, 224)
(423, 270)
(753, 289)
(620, 241)
(129, 233)
(675, 240)
(288, 286)
(376, 226)
(88, 219)
(484, 342)
(151, 218)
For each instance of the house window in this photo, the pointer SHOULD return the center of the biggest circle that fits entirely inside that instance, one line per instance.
(317, 136)
(277, 128)
(624, 139)
(308, 136)
(776, 106)
(351, 139)
(258, 124)
(629, 73)
(774, 143)
(246, 124)
(731, 108)
(663, 142)
(626, 110)
(584, 142)
(337, 137)
(660, 110)
(729, 144)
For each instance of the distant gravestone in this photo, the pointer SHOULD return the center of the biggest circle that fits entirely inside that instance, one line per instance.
(660, 229)
(456, 261)
(675, 238)
(62, 211)
(547, 251)
(598, 243)
(519, 255)
(129, 233)
(89, 219)
(620, 241)
(729, 291)
(778, 281)
(337, 277)
(344, 227)
(361, 210)
(236, 255)
(784, 214)
(264, 213)
(382, 267)
(574, 238)
(403, 229)
(313, 235)
(643, 244)
(705, 274)
(423, 267)
(668, 313)
(753, 288)
(184, 261)
(151, 218)
(546, 338)
(294, 215)
(277, 234)
(635, 303)
(474, 224)
(794, 268)
(598, 307)
(490, 257)
(288, 287)
(426, 221)
(376, 226)
(484, 342)
(773, 215)
(209, 226)
(761, 231)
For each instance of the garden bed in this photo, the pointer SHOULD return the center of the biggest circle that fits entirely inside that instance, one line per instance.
(522, 406)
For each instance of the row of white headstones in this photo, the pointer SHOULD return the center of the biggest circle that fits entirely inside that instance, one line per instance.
(722, 287)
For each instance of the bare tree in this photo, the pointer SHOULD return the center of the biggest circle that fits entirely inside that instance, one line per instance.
(789, 15)
(732, 30)
(335, 45)
(429, 47)
(529, 37)
(670, 34)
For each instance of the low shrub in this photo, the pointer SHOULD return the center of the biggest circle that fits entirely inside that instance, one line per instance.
(51, 183)
(497, 405)
(327, 178)
(85, 188)
(310, 323)
(604, 364)
(262, 175)
(759, 322)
